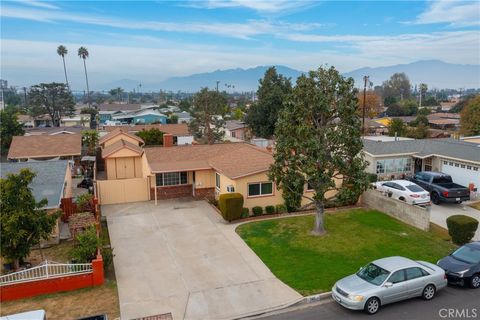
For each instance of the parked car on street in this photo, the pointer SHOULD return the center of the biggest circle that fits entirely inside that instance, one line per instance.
(463, 265)
(388, 280)
(441, 187)
(404, 190)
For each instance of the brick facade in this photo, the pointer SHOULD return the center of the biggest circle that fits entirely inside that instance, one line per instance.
(208, 193)
(172, 192)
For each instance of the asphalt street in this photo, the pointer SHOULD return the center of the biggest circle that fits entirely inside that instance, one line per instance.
(450, 303)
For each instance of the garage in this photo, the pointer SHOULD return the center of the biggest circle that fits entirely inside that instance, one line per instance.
(462, 173)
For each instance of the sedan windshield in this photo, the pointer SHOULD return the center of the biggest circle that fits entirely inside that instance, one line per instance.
(373, 274)
(467, 254)
(414, 188)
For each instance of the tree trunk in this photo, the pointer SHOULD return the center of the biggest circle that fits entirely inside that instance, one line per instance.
(319, 228)
(65, 70)
(86, 78)
(16, 264)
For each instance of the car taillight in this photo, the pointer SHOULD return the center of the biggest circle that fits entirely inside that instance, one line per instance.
(414, 195)
(445, 193)
(445, 276)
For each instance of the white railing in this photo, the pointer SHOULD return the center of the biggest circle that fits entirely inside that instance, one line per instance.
(46, 270)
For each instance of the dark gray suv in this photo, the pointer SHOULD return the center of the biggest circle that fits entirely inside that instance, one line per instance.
(463, 265)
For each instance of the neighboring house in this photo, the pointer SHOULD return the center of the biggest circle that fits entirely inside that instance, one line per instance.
(183, 117)
(472, 139)
(46, 147)
(53, 181)
(146, 116)
(53, 130)
(127, 107)
(26, 120)
(236, 129)
(43, 120)
(180, 131)
(134, 173)
(82, 120)
(457, 158)
(444, 120)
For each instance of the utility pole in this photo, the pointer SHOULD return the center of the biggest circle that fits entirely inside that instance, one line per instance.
(365, 79)
(217, 84)
(25, 95)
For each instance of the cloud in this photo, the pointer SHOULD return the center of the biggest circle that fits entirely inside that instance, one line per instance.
(272, 6)
(245, 30)
(39, 4)
(455, 13)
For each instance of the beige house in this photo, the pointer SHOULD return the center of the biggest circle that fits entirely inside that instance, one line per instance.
(46, 147)
(136, 173)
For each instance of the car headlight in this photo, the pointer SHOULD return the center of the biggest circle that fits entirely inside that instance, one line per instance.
(460, 273)
(355, 297)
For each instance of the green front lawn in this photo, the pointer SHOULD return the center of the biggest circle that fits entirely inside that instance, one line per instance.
(312, 264)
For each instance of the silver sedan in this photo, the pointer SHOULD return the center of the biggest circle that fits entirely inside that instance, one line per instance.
(388, 280)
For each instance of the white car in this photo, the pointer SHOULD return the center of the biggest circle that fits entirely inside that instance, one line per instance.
(404, 190)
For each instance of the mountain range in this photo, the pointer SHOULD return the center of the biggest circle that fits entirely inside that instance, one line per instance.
(435, 73)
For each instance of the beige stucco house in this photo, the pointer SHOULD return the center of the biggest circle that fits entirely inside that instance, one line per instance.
(137, 173)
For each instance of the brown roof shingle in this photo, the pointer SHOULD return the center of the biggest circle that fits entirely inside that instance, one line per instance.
(234, 160)
(45, 146)
(180, 129)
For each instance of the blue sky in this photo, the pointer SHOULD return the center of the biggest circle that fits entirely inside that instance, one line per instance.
(151, 41)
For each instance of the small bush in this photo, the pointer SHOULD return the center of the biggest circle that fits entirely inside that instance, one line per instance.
(269, 209)
(245, 213)
(281, 208)
(86, 248)
(461, 228)
(83, 202)
(231, 205)
(257, 211)
(107, 255)
(372, 177)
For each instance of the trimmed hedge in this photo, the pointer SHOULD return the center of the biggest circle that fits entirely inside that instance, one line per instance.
(269, 209)
(257, 211)
(245, 213)
(281, 208)
(461, 228)
(231, 206)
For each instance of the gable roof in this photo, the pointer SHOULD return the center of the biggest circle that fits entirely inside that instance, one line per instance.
(45, 146)
(180, 129)
(54, 130)
(234, 124)
(120, 144)
(117, 132)
(49, 181)
(235, 160)
(450, 148)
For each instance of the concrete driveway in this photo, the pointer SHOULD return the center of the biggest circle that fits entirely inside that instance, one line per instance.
(440, 213)
(181, 257)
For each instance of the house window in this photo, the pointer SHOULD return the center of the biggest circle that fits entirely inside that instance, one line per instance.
(171, 178)
(217, 180)
(475, 168)
(233, 134)
(469, 167)
(260, 189)
(394, 165)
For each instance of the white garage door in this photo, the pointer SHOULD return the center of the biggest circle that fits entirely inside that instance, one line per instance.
(462, 173)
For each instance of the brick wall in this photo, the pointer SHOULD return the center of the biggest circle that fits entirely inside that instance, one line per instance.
(415, 216)
(172, 192)
(203, 193)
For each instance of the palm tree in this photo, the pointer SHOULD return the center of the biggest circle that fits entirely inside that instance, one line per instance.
(83, 54)
(62, 51)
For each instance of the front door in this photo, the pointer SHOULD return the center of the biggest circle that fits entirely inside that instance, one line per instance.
(418, 165)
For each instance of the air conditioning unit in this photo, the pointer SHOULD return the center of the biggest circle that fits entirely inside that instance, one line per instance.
(230, 189)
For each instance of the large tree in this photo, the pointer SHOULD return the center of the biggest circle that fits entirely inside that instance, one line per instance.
(318, 140)
(397, 128)
(53, 99)
(23, 223)
(372, 104)
(83, 54)
(62, 52)
(398, 86)
(207, 124)
(9, 127)
(470, 118)
(151, 137)
(263, 114)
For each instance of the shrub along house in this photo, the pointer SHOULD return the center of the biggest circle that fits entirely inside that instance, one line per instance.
(134, 173)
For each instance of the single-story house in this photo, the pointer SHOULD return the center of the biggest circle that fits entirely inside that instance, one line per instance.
(136, 173)
(146, 116)
(26, 120)
(180, 131)
(236, 129)
(54, 130)
(82, 120)
(53, 181)
(46, 147)
(457, 158)
(183, 117)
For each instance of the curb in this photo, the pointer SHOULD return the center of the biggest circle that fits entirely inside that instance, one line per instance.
(316, 298)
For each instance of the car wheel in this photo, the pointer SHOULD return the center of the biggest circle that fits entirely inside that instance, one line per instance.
(435, 198)
(372, 305)
(475, 281)
(428, 292)
(401, 199)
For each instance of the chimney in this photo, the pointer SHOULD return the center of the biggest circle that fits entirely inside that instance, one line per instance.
(167, 140)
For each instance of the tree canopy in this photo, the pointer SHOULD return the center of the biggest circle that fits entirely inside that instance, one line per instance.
(318, 140)
(397, 128)
(54, 99)
(272, 92)
(470, 118)
(23, 223)
(372, 104)
(151, 137)
(398, 86)
(207, 124)
(9, 127)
